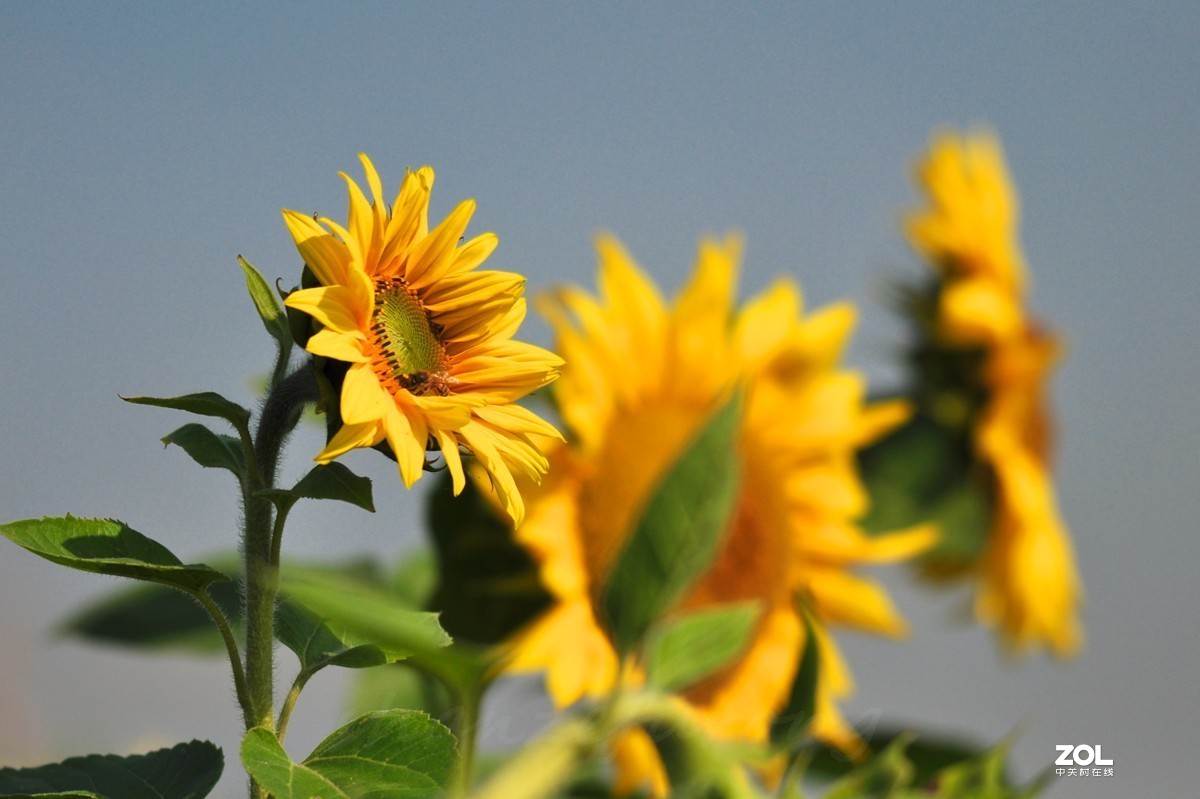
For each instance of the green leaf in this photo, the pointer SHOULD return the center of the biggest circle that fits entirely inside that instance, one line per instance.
(269, 309)
(157, 617)
(390, 754)
(698, 766)
(106, 546)
(209, 449)
(319, 642)
(334, 481)
(924, 472)
(186, 771)
(927, 752)
(206, 403)
(365, 610)
(790, 724)
(415, 578)
(881, 778)
(400, 687)
(681, 652)
(488, 584)
(679, 532)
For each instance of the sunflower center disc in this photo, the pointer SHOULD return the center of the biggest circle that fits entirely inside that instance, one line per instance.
(409, 349)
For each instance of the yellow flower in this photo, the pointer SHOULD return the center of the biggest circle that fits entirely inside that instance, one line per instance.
(640, 381)
(1029, 586)
(970, 235)
(427, 336)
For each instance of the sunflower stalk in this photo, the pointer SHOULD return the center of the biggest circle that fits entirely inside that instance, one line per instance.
(260, 545)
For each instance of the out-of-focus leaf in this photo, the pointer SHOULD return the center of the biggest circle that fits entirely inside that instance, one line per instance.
(790, 724)
(365, 610)
(679, 532)
(488, 585)
(157, 617)
(400, 687)
(927, 753)
(185, 771)
(415, 578)
(333, 481)
(923, 472)
(392, 753)
(209, 449)
(683, 651)
(881, 778)
(106, 546)
(204, 403)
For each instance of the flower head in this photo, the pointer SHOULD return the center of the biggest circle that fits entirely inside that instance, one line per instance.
(1029, 586)
(427, 336)
(641, 379)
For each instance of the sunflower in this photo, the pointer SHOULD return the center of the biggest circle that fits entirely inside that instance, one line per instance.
(640, 381)
(1029, 585)
(427, 336)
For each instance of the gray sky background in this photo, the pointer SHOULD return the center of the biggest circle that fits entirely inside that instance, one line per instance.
(143, 147)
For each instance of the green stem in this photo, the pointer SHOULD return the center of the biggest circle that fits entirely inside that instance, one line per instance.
(466, 731)
(281, 515)
(289, 704)
(279, 416)
(235, 657)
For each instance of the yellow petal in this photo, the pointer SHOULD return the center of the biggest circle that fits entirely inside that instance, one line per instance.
(363, 398)
(449, 446)
(842, 597)
(351, 436)
(336, 307)
(406, 437)
(326, 256)
(329, 343)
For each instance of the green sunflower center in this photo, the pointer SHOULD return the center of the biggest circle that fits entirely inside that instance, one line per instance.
(409, 350)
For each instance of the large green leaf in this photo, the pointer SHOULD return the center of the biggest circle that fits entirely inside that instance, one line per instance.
(208, 448)
(333, 481)
(265, 302)
(390, 754)
(186, 771)
(158, 617)
(204, 403)
(370, 612)
(680, 652)
(924, 472)
(679, 532)
(488, 584)
(106, 546)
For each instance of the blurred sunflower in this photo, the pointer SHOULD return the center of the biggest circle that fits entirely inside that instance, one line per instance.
(427, 336)
(1029, 586)
(641, 380)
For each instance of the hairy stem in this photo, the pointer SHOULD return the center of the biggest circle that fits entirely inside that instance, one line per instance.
(231, 647)
(280, 413)
(289, 704)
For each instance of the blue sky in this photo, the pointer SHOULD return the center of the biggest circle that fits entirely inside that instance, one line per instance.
(143, 147)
